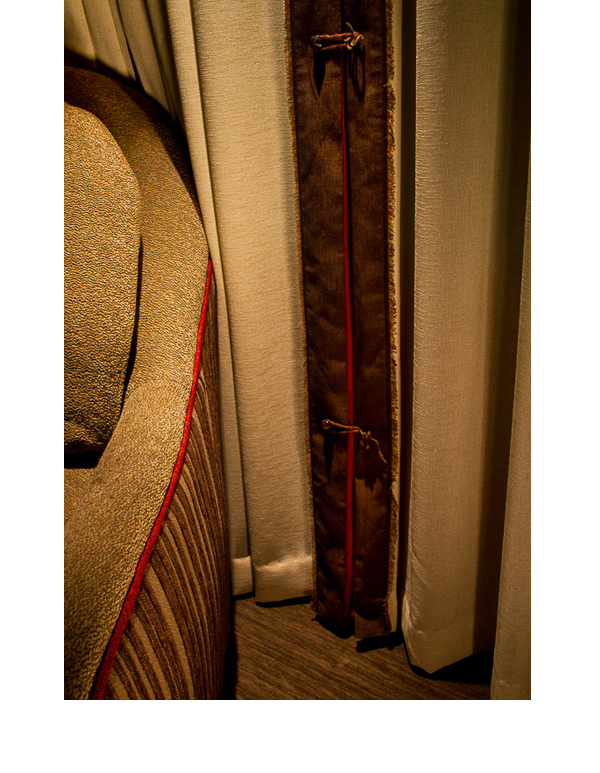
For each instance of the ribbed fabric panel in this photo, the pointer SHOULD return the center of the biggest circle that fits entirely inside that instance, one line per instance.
(471, 81)
(511, 677)
(174, 644)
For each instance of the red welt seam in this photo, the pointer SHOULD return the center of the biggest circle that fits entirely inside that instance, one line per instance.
(349, 360)
(111, 651)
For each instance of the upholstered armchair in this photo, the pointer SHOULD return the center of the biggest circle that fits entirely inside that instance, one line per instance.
(147, 586)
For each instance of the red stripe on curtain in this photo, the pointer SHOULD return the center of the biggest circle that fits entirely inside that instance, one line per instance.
(349, 356)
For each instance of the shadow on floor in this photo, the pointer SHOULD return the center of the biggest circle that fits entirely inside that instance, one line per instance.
(380, 642)
(262, 664)
(231, 661)
(288, 603)
(476, 669)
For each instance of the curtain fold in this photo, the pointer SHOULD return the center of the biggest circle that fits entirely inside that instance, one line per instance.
(146, 30)
(511, 677)
(93, 31)
(458, 163)
(243, 74)
(471, 151)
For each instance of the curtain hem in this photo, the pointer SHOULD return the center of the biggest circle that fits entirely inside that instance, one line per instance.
(284, 579)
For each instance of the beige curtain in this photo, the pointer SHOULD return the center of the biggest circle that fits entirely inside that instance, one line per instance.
(511, 678)
(461, 164)
(467, 62)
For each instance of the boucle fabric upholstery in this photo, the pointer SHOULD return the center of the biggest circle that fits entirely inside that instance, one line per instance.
(119, 505)
(102, 239)
(75, 481)
(174, 248)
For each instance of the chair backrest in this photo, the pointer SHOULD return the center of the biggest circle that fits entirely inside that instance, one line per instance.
(102, 246)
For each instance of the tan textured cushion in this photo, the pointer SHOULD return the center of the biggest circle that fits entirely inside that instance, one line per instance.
(102, 240)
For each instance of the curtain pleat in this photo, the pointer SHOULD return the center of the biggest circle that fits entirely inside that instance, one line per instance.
(241, 62)
(93, 31)
(470, 182)
(511, 676)
(77, 34)
(145, 26)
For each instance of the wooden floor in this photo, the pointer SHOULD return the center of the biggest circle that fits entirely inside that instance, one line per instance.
(281, 652)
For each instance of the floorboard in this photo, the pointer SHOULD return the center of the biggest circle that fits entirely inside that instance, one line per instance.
(281, 652)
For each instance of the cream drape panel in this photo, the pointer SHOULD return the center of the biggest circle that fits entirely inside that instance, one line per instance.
(511, 678)
(220, 69)
(471, 153)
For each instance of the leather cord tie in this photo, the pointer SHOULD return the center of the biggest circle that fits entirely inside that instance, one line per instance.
(365, 437)
(340, 40)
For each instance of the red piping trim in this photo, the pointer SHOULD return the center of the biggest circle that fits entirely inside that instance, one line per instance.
(111, 651)
(349, 360)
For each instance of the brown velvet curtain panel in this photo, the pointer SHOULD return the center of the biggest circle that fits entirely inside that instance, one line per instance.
(341, 121)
